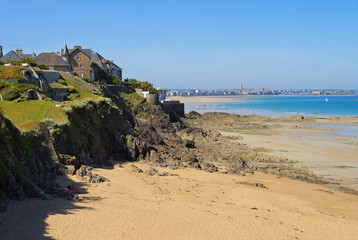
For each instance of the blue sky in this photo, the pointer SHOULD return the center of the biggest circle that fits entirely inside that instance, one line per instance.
(200, 43)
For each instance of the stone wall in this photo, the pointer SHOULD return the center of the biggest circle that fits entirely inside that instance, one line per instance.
(84, 59)
(152, 99)
(175, 109)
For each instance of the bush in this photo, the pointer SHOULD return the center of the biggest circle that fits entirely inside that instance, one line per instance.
(117, 81)
(41, 66)
(63, 82)
(10, 95)
(87, 80)
(1, 62)
(19, 62)
(145, 86)
(71, 89)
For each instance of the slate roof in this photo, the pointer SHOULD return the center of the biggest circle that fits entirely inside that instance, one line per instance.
(28, 56)
(12, 55)
(51, 59)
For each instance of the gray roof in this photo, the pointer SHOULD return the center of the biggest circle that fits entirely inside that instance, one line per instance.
(65, 51)
(112, 65)
(51, 59)
(10, 56)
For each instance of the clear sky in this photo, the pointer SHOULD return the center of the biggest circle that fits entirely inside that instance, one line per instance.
(199, 43)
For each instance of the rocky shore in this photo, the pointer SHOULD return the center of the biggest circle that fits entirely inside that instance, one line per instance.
(107, 155)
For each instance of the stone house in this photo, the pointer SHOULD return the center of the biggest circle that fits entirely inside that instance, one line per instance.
(54, 62)
(81, 59)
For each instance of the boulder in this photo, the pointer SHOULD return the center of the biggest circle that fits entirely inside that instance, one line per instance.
(151, 171)
(136, 169)
(189, 143)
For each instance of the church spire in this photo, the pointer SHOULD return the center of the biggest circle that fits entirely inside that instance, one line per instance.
(66, 54)
(65, 51)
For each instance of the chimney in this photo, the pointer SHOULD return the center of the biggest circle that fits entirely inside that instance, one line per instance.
(19, 52)
(33, 54)
(103, 60)
(111, 61)
(1, 52)
(79, 47)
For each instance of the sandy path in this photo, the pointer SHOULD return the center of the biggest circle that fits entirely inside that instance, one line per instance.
(192, 205)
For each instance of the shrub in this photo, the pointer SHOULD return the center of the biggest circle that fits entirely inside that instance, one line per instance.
(117, 81)
(71, 89)
(87, 80)
(63, 82)
(1, 62)
(11, 95)
(41, 66)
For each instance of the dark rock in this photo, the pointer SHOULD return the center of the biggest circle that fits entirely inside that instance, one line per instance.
(85, 173)
(68, 170)
(4, 203)
(193, 115)
(18, 194)
(134, 168)
(189, 143)
(163, 174)
(259, 185)
(209, 167)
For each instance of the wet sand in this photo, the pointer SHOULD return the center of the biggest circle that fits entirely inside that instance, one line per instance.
(190, 205)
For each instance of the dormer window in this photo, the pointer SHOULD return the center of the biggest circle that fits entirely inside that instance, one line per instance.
(81, 65)
(78, 57)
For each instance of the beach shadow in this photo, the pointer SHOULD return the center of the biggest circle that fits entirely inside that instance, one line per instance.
(27, 219)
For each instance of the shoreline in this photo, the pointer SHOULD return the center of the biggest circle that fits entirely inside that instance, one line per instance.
(231, 98)
(203, 104)
(323, 151)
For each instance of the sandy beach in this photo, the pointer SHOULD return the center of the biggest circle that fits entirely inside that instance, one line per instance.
(189, 205)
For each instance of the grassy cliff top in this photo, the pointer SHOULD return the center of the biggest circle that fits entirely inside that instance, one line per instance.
(11, 72)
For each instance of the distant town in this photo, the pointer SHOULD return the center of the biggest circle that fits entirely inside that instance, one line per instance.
(258, 91)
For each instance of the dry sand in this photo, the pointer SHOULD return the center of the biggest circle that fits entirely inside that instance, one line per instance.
(192, 205)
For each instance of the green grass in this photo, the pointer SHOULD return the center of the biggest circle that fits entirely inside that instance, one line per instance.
(80, 92)
(11, 72)
(132, 100)
(27, 115)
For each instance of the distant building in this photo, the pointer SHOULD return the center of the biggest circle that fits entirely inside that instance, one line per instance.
(53, 61)
(16, 55)
(81, 59)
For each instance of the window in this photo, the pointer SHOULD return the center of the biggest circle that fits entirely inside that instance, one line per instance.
(81, 65)
(81, 75)
(78, 57)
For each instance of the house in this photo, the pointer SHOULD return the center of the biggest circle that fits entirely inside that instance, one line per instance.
(81, 59)
(54, 62)
(113, 69)
(16, 55)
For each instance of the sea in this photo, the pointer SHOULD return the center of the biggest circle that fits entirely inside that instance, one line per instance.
(283, 106)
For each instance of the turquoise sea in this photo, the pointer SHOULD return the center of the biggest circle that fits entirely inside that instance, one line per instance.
(284, 106)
